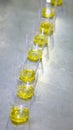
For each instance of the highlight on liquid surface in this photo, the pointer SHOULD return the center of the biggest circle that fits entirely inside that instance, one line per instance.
(41, 40)
(47, 28)
(34, 55)
(48, 12)
(19, 115)
(57, 2)
(25, 92)
(27, 75)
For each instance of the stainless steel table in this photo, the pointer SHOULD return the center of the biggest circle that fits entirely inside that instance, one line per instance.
(53, 107)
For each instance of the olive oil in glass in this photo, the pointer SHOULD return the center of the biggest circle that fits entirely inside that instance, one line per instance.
(25, 91)
(48, 12)
(27, 75)
(34, 54)
(19, 115)
(41, 40)
(47, 28)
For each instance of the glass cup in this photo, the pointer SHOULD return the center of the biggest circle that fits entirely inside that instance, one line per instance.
(28, 72)
(39, 39)
(19, 114)
(47, 27)
(47, 9)
(34, 53)
(20, 111)
(25, 91)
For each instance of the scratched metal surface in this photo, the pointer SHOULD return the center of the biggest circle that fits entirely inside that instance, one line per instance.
(53, 106)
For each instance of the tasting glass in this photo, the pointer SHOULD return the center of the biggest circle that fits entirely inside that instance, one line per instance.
(19, 113)
(47, 10)
(27, 73)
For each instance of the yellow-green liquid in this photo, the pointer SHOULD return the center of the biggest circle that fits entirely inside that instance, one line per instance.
(25, 92)
(19, 115)
(34, 55)
(47, 28)
(41, 40)
(48, 13)
(27, 75)
(57, 2)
